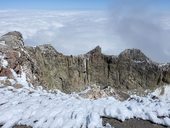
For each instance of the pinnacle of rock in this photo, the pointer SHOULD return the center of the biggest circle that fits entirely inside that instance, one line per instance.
(12, 39)
(96, 50)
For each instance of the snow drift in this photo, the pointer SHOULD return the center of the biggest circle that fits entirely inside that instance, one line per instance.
(39, 108)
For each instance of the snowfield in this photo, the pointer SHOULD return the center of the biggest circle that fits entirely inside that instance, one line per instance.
(39, 108)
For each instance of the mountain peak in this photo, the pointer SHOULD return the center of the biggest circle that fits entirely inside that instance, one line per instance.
(12, 39)
(96, 50)
(134, 54)
(14, 33)
(47, 48)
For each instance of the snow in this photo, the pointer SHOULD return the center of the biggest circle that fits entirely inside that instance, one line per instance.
(138, 61)
(3, 62)
(20, 78)
(2, 43)
(163, 65)
(39, 108)
(163, 93)
(3, 78)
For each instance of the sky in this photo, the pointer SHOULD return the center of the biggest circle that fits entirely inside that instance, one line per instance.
(56, 4)
(77, 26)
(81, 4)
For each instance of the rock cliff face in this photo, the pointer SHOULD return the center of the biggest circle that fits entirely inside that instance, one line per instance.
(45, 66)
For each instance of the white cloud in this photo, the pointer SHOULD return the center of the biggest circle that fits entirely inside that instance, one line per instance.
(73, 32)
(77, 32)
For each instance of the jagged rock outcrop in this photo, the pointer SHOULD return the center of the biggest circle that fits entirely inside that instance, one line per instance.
(12, 39)
(51, 69)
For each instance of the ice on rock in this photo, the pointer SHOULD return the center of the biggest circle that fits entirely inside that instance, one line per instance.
(3, 78)
(163, 92)
(20, 78)
(3, 62)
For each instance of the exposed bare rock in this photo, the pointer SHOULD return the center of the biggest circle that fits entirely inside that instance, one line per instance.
(133, 54)
(22, 126)
(166, 73)
(12, 39)
(45, 66)
(96, 51)
(19, 126)
(6, 72)
(131, 123)
(96, 92)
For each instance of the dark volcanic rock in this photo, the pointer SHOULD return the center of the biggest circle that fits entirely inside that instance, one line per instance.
(45, 66)
(22, 126)
(131, 123)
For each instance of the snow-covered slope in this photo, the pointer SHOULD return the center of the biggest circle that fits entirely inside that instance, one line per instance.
(39, 108)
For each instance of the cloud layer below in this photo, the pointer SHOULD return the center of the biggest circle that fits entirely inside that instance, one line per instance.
(77, 32)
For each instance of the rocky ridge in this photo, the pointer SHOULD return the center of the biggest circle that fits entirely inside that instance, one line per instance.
(43, 65)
